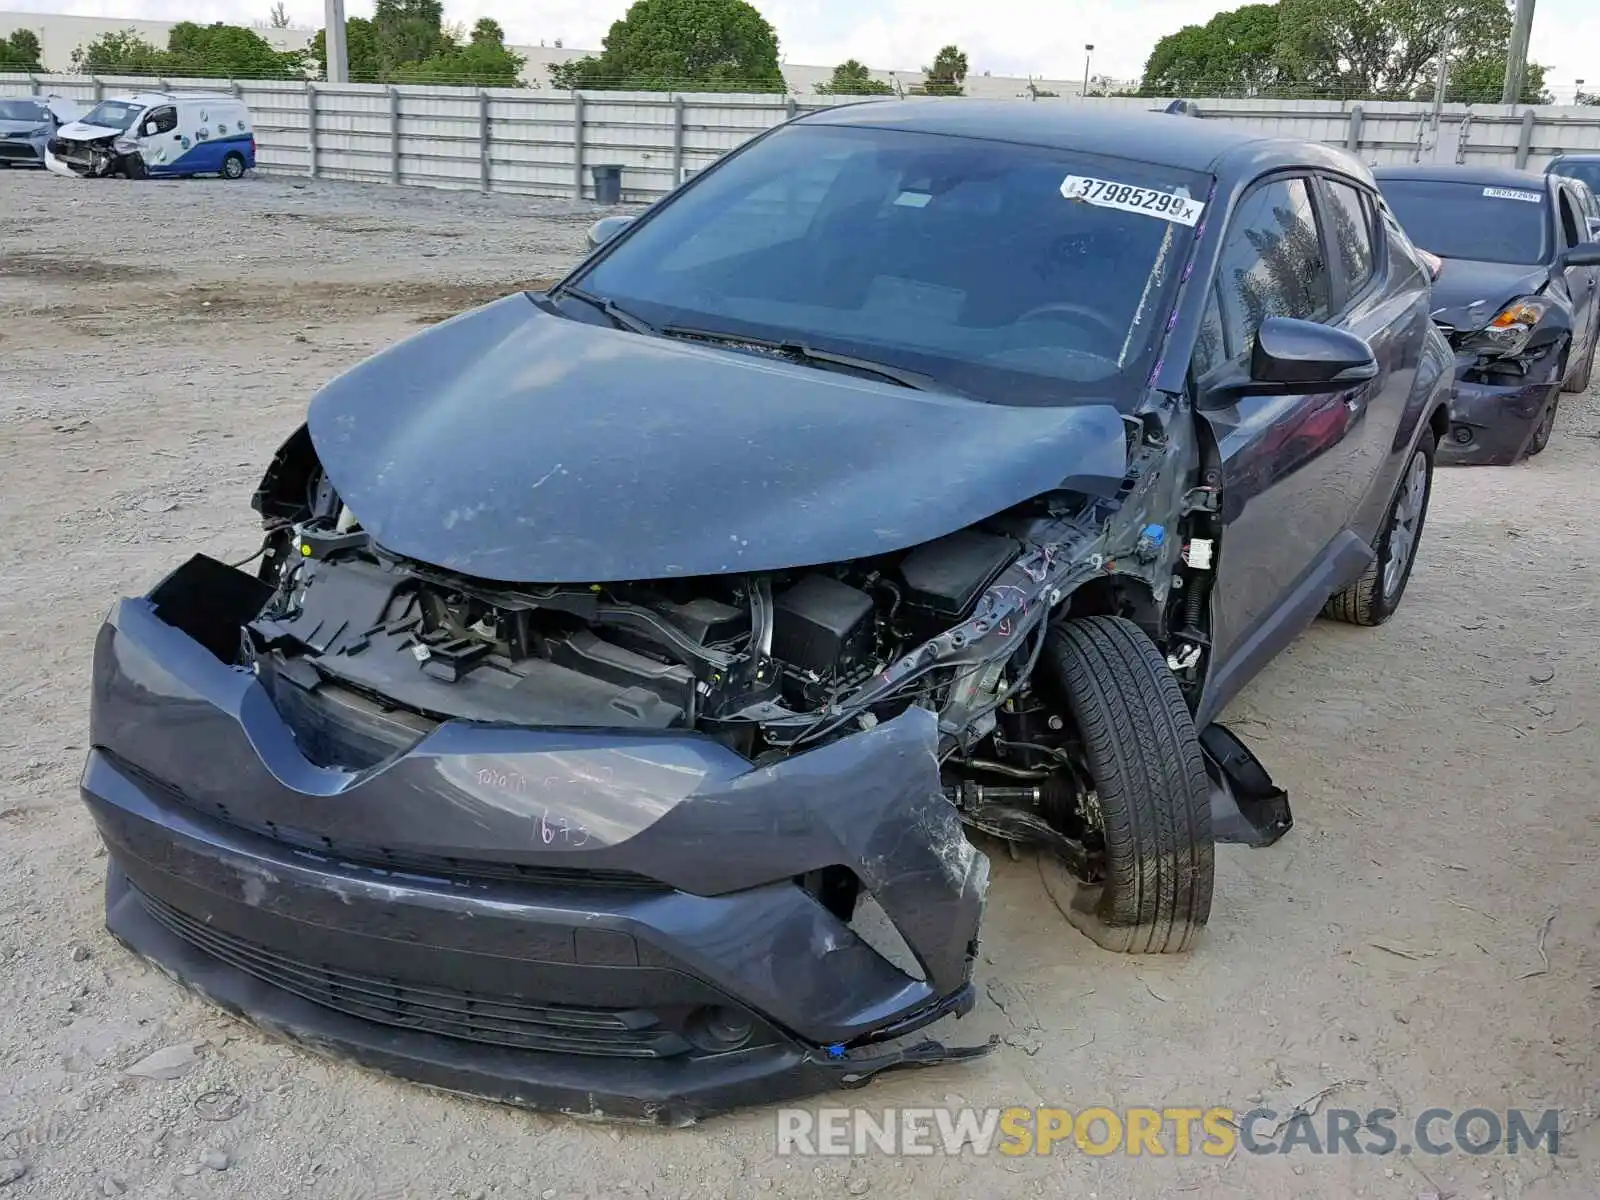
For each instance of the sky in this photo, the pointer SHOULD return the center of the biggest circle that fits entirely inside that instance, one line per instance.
(1006, 37)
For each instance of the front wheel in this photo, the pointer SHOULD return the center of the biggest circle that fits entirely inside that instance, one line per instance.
(1151, 799)
(1578, 381)
(1546, 426)
(1373, 599)
(233, 165)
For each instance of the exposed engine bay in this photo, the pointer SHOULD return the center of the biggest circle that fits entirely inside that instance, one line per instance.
(364, 651)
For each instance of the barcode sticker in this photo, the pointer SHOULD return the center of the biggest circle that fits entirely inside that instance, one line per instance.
(1513, 194)
(1152, 202)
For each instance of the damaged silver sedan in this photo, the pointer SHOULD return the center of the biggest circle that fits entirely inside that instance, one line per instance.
(627, 665)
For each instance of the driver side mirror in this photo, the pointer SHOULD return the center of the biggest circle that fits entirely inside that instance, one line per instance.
(606, 228)
(1293, 357)
(1586, 255)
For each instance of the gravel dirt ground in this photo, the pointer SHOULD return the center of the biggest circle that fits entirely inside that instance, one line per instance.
(1425, 937)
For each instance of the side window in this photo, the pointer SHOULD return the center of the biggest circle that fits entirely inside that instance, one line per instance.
(1272, 264)
(1350, 234)
(1571, 223)
(161, 120)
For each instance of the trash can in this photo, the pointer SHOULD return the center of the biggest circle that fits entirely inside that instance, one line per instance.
(608, 184)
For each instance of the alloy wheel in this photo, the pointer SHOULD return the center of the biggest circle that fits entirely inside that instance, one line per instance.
(1406, 523)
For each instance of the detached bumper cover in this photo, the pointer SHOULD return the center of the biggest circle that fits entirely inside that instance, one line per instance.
(548, 918)
(1497, 421)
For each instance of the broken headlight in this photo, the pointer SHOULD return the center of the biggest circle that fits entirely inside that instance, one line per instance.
(1507, 335)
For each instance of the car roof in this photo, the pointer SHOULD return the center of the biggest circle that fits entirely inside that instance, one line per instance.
(1483, 176)
(1563, 156)
(1151, 137)
(173, 97)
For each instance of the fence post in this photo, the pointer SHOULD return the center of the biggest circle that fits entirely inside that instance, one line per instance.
(236, 87)
(311, 129)
(1352, 137)
(99, 90)
(790, 107)
(577, 146)
(677, 141)
(483, 139)
(394, 135)
(1525, 142)
(33, 83)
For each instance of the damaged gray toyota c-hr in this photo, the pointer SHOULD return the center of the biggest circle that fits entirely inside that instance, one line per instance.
(624, 663)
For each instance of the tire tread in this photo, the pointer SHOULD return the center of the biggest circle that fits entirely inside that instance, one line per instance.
(1151, 780)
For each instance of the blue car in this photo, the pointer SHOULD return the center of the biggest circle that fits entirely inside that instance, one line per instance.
(26, 124)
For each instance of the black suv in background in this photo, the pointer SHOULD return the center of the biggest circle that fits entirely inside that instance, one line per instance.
(1516, 294)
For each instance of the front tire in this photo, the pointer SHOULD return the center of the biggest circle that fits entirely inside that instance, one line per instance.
(1546, 426)
(233, 165)
(1152, 794)
(1373, 599)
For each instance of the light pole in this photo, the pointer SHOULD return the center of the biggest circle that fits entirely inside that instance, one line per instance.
(333, 43)
(1517, 52)
(1088, 55)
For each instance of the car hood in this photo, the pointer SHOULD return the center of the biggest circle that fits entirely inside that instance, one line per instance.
(9, 128)
(77, 131)
(1468, 294)
(514, 445)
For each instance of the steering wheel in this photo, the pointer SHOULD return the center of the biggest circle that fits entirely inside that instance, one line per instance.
(1079, 312)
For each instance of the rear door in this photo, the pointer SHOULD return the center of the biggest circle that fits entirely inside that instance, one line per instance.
(1292, 474)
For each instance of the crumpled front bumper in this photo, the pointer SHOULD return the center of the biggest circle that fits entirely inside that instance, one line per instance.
(583, 921)
(1492, 424)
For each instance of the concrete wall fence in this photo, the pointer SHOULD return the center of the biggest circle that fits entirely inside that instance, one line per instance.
(547, 143)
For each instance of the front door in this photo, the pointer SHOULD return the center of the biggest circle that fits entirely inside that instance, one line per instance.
(160, 143)
(1292, 474)
(1382, 296)
(1583, 283)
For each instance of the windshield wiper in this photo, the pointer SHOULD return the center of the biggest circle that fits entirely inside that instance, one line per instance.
(823, 359)
(621, 317)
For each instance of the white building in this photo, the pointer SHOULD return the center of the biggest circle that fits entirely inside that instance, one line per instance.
(59, 35)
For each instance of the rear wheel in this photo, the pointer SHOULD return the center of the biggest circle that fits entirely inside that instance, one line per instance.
(1373, 599)
(233, 165)
(1151, 799)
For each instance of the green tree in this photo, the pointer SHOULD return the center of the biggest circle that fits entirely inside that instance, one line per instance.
(1375, 49)
(668, 45)
(851, 78)
(227, 52)
(20, 51)
(1482, 79)
(121, 52)
(1389, 49)
(278, 17)
(406, 41)
(948, 73)
(218, 51)
(1233, 53)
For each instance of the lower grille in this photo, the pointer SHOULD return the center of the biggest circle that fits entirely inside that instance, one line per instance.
(18, 152)
(491, 1020)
